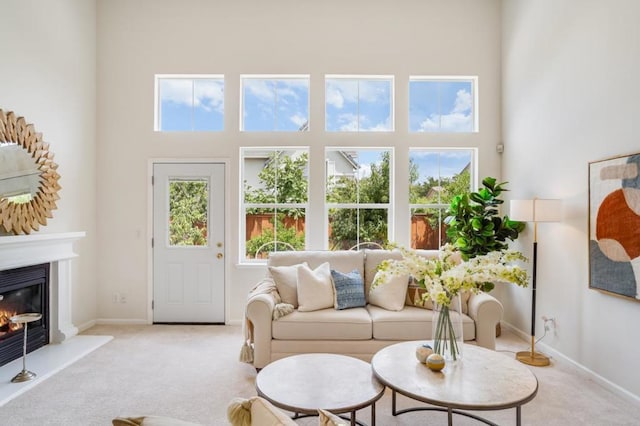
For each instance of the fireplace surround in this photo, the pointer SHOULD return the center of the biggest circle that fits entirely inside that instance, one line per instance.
(23, 290)
(57, 250)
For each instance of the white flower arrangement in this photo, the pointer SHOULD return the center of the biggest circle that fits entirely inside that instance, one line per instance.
(447, 275)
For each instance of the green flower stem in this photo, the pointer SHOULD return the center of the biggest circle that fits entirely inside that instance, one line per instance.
(445, 336)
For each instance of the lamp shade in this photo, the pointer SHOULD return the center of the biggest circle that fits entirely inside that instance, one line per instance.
(536, 210)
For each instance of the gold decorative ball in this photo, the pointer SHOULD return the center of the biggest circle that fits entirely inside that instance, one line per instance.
(435, 362)
(422, 352)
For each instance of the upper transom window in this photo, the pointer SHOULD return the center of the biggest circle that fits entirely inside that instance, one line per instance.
(275, 103)
(189, 103)
(359, 103)
(443, 104)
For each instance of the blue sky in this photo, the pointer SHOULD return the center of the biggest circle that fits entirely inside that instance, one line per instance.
(275, 105)
(440, 163)
(352, 104)
(432, 163)
(191, 104)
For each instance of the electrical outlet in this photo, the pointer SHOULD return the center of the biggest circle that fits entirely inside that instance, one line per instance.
(549, 323)
(122, 298)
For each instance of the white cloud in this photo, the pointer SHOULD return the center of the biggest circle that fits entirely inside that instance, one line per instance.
(260, 88)
(341, 91)
(458, 120)
(348, 122)
(463, 101)
(208, 94)
(334, 97)
(298, 119)
(177, 90)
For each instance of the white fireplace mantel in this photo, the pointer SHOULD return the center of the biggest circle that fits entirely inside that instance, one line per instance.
(56, 249)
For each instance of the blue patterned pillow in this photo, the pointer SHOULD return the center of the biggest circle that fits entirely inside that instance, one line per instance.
(349, 289)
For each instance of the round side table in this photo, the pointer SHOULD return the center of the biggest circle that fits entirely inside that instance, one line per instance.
(24, 319)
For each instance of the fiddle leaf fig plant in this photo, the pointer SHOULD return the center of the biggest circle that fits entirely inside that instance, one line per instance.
(475, 226)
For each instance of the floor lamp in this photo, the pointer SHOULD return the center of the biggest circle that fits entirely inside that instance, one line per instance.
(536, 210)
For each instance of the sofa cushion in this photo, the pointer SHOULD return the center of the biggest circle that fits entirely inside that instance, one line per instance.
(343, 261)
(315, 288)
(326, 418)
(349, 289)
(391, 293)
(411, 323)
(263, 413)
(286, 279)
(372, 259)
(325, 324)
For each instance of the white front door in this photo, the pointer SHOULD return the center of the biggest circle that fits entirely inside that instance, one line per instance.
(188, 242)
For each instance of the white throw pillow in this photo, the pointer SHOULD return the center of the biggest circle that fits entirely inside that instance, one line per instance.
(326, 418)
(286, 279)
(391, 294)
(315, 288)
(264, 413)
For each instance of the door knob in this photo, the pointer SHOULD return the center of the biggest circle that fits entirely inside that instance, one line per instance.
(219, 255)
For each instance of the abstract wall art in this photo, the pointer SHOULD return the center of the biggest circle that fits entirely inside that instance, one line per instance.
(614, 226)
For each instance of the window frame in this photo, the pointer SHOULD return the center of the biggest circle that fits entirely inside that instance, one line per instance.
(359, 78)
(157, 110)
(442, 207)
(447, 78)
(276, 77)
(389, 207)
(243, 206)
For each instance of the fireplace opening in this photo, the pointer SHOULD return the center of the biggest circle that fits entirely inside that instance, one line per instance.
(23, 290)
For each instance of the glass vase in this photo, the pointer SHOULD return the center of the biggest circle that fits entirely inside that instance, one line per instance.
(447, 330)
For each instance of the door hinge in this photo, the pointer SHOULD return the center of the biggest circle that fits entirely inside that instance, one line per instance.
(152, 242)
(153, 180)
(152, 304)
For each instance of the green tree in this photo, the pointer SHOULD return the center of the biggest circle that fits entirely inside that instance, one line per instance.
(282, 181)
(372, 189)
(188, 206)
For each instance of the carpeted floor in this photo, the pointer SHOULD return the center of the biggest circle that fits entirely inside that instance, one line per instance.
(192, 372)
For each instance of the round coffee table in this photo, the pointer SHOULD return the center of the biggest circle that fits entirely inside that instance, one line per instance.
(304, 383)
(483, 380)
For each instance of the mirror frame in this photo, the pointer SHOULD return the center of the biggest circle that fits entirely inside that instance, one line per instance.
(21, 218)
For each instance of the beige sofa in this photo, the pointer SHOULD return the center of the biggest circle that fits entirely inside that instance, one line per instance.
(359, 332)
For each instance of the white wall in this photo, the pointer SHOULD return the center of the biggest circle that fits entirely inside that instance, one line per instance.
(137, 39)
(48, 76)
(570, 97)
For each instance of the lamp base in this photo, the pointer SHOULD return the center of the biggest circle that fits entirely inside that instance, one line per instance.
(533, 358)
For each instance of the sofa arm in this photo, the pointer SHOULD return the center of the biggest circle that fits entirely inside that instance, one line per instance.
(486, 311)
(259, 313)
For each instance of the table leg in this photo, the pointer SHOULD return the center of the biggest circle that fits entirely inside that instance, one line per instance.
(518, 415)
(353, 418)
(450, 416)
(373, 414)
(393, 403)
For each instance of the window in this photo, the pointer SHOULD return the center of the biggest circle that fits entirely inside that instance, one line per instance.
(442, 104)
(274, 199)
(275, 104)
(188, 212)
(358, 196)
(359, 104)
(189, 103)
(436, 176)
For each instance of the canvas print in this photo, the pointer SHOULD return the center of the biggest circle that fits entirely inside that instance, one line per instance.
(614, 226)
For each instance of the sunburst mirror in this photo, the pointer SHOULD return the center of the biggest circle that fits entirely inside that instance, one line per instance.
(28, 176)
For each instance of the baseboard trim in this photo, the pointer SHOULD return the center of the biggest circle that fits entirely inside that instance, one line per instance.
(85, 326)
(121, 321)
(581, 369)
